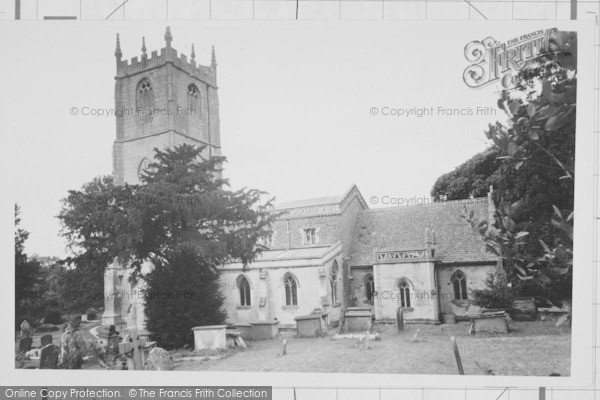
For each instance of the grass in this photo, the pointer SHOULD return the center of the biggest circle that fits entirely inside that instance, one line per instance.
(535, 348)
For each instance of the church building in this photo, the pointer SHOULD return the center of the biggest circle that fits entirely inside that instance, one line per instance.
(326, 254)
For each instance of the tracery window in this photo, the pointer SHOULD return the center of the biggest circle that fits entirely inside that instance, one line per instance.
(144, 97)
(459, 284)
(291, 290)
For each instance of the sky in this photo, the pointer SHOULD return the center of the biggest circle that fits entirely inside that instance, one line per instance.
(305, 108)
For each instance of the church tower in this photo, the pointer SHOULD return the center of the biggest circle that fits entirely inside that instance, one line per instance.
(162, 100)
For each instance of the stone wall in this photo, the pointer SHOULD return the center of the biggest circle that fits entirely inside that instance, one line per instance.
(423, 300)
(313, 292)
(326, 228)
(177, 117)
(476, 276)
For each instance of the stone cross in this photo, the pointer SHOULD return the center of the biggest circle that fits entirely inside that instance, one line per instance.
(133, 347)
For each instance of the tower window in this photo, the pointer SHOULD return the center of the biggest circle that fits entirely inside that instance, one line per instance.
(193, 91)
(244, 289)
(404, 288)
(193, 99)
(310, 236)
(145, 97)
(459, 283)
(291, 290)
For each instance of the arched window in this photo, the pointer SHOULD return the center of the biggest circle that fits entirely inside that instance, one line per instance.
(244, 289)
(404, 288)
(459, 283)
(333, 282)
(193, 99)
(369, 284)
(291, 290)
(144, 101)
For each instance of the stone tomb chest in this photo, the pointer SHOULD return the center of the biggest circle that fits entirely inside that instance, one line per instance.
(309, 325)
(209, 337)
(489, 324)
(358, 319)
(245, 330)
(263, 330)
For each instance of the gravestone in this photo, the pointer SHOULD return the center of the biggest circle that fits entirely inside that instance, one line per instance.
(49, 357)
(46, 339)
(159, 360)
(25, 344)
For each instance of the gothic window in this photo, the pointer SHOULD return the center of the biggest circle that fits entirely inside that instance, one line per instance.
(369, 284)
(310, 236)
(333, 282)
(291, 290)
(144, 97)
(459, 283)
(193, 99)
(404, 288)
(244, 289)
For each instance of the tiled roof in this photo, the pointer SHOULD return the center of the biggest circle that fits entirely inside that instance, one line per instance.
(295, 254)
(302, 257)
(321, 201)
(330, 205)
(404, 228)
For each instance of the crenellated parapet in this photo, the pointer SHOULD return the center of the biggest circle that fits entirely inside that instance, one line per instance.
(166, 55)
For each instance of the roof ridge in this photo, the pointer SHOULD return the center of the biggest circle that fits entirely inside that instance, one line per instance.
(443, 203)
(328, 200)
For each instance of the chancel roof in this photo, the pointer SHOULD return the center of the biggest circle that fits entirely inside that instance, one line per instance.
(405, 227)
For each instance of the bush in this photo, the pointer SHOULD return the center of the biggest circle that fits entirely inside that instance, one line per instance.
(498, 294)
(53, 316)
(92, 314)
(187, 295)
(75, 321)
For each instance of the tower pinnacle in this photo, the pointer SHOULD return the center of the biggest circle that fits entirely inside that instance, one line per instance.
(168, 37)
(213, 58)
(118, 52)
(144, 50)
(193, 54)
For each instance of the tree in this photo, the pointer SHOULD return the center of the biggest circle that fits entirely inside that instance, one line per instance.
(184, 294)
(91, 219)
(26, 272)
(470, 179)
(533, 231)
(181, 210)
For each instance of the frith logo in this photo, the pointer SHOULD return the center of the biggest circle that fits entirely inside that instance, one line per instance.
(492, 61)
